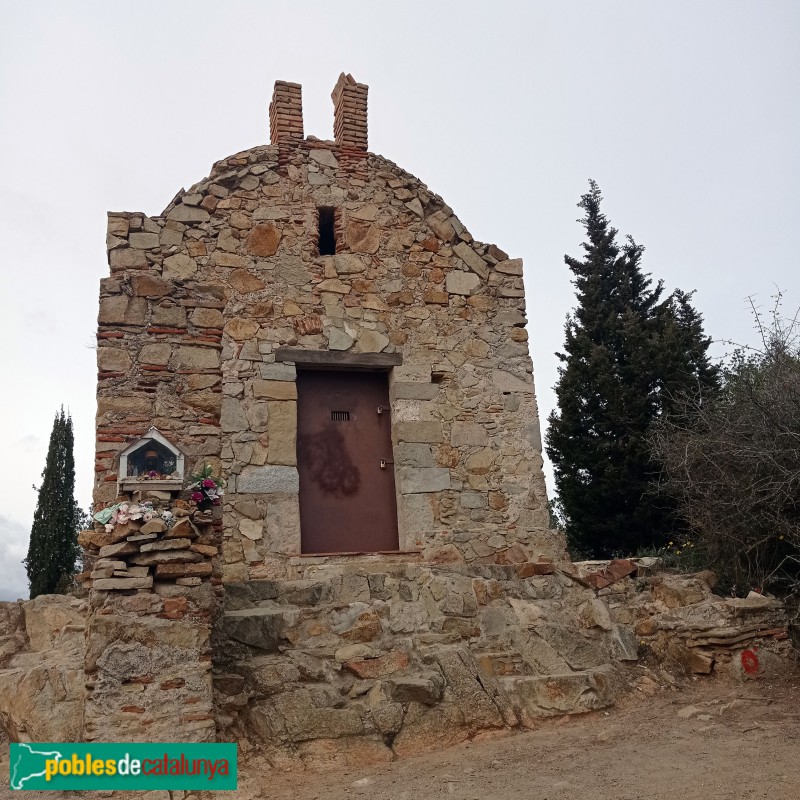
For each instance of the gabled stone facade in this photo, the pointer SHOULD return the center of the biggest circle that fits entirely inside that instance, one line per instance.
(291, 261)
(208, 305)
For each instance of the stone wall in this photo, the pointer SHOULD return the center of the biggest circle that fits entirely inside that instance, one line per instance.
(148, 665)
(153, 599)
(361, 663)
(201, 299)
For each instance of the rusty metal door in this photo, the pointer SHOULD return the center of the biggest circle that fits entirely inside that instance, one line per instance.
(344, 457)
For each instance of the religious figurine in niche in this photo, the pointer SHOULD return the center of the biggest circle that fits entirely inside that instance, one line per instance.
(152, 462)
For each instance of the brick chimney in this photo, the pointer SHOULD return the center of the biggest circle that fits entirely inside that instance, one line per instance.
(350, 113)
(286, 112)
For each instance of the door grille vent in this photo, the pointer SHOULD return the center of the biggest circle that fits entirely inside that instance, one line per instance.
(340, 416)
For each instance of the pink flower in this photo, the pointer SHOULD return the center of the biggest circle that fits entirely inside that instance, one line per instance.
(197, 496)
(208, 483)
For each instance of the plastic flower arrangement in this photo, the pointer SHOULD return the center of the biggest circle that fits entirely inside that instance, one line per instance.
(206, 489)
(120, 513)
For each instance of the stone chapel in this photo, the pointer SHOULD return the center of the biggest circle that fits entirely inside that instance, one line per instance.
(321, 518)
(319, 327)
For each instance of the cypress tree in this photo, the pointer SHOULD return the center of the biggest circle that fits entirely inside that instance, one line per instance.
(687, 372)
(628, 350)
(53, 547)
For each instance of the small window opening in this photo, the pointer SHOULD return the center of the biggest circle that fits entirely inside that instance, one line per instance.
(340, 416)
(327, 234)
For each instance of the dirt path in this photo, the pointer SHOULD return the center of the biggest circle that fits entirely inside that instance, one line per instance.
(707, 741)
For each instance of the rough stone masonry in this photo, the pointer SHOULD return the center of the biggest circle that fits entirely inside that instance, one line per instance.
(204, 301)
(299, 256)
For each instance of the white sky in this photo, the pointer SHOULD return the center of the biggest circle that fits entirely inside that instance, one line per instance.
(687, 114)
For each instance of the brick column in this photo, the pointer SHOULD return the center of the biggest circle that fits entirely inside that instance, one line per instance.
(350, 113)
(286, 112)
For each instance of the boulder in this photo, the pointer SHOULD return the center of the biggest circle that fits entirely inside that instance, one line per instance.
(430, 728)
(12, 630)
(53, 621)
(41, 669)
(303, 714)
(579, 651)
(44, 702)
(678, 591)
(481, 699)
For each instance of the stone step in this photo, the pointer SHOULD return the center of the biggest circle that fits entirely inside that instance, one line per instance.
(536, 696)
(366, 583)
(502, 663)
(317, 627)
(252, 619)
(250, 594)
(260, 627)
(305, 592)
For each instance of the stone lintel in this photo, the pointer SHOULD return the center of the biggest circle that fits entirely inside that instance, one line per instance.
(325, 359)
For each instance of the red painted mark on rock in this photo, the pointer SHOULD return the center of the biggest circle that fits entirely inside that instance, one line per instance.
(749, 662)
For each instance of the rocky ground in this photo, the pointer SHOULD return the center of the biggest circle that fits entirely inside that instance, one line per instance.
(707, 740)
(700, 740)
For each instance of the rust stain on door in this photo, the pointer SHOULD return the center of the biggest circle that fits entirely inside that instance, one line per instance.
(344, 457)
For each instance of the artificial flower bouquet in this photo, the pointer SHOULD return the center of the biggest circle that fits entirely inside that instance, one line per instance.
(206, 489)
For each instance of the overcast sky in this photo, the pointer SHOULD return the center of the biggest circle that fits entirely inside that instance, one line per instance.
(686, 113)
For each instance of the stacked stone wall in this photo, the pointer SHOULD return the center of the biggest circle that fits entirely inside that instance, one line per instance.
(361, 663)
(153, 600)
(148, 665)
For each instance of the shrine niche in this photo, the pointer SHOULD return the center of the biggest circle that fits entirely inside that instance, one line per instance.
(153, 463)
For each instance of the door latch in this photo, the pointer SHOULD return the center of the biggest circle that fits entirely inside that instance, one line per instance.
(384, 462)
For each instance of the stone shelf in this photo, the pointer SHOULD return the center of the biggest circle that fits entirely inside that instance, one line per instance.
(137, 484)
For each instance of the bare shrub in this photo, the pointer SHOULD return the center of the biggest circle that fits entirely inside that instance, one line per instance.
(732, 461)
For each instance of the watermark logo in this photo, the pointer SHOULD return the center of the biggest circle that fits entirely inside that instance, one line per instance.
(68, 766)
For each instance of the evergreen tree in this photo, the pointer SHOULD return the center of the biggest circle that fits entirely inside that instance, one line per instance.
(686, 371)
(628, 350)
(53, 548)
